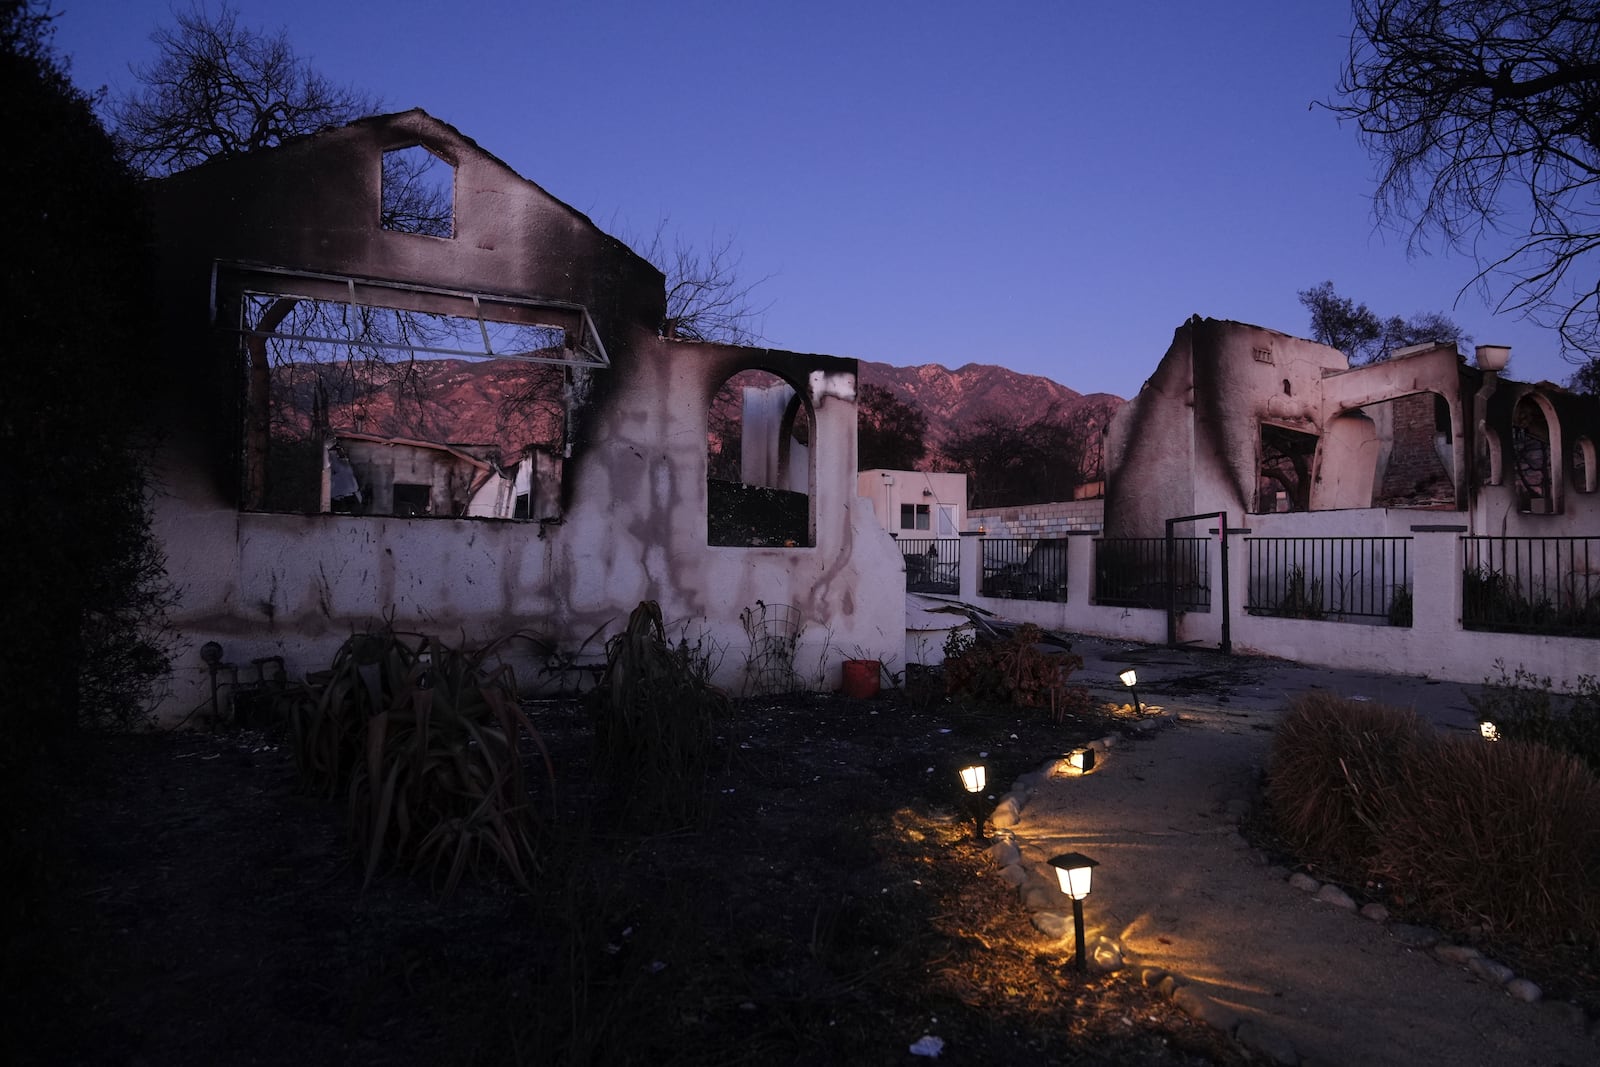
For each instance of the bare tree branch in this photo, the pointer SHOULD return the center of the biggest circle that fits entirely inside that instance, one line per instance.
(1483, 117)
(218, 89)
(707, 300)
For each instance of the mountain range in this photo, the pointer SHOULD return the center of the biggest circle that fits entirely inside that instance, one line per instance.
(955, 399)
(464, 402)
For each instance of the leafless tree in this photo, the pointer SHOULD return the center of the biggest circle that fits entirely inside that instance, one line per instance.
(219, 89)
(1483, 117)
(707, 299)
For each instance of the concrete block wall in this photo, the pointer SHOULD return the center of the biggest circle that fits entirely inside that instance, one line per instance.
(1037, 521)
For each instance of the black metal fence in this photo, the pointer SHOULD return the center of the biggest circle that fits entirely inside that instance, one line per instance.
(1024, 569)
(1547, 585)
(1132, 572)
(1339, 579)
(933, 564)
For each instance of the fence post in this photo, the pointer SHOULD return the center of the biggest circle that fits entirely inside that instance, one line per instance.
(1436, 578)
(971, 563)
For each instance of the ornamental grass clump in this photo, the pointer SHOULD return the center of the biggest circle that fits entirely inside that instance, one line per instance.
(1334, 772)
(1499, 835)
(655, 712)
(1504, 836)
(426, 741)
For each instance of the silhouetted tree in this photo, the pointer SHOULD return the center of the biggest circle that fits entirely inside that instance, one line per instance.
(1020, 463)
(890, 433)
(1355, 330)
(82, 574)
(707, 299)
(218, 89)
(1483, 117)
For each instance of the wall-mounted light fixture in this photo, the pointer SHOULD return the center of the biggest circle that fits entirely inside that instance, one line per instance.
(1072, 871)
(1130, 679)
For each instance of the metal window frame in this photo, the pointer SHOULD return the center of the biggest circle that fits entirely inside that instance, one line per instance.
(246, 279)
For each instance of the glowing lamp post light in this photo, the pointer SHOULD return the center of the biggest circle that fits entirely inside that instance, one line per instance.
(973, 779)
(1130, 679)
(1489, 730)
(1072, 870)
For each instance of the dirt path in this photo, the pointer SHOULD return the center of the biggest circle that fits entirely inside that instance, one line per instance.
(1182, 890)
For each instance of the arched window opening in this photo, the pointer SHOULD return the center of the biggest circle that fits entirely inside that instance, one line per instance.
(758, 463)
(1533, 475)
(419, 193)
(1417, 467)
(1583, 468)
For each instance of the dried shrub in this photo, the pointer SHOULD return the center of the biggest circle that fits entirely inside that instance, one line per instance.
(1334, 772)
(655, 711)
(1010, 671)
(426, 740)
(1505, 835)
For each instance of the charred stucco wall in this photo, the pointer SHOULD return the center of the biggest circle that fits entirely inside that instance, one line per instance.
(1424, 421)
(1189, 442)
(635, 524)
(295, 586)
(314, 204)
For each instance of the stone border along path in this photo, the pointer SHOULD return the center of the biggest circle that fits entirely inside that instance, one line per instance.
(1022, 864)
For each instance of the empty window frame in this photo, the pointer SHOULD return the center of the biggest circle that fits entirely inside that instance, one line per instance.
(419, 192)
(758, 463)
(346, 396)
(1283, 481)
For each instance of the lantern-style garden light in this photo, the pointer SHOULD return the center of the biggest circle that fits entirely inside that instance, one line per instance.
(1081, 760)
(1130, 679)
(1072, 870)
(1489, 730)
(973, 779)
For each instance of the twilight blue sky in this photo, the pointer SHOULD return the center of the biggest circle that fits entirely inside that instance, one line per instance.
(1049, 186)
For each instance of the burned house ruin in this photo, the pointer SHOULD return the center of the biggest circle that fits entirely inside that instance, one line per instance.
(410, 387)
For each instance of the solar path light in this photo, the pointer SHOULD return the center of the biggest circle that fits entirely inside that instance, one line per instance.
(973, 778)
(1072, 870)
(1129, 679)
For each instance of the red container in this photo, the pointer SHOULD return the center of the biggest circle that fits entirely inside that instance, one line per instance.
(860, 679)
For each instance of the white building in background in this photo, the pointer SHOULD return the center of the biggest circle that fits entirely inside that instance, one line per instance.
(916, 504)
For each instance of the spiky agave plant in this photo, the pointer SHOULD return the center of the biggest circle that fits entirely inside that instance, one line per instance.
(427, 740)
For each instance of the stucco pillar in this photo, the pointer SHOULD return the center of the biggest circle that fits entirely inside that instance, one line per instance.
(1080, 569)
(1436, 581)
(971, 563)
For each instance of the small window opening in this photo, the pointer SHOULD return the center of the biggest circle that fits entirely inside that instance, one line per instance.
(1286, 390)
(418, 193)
(915, 517)
(411, 500)
(1283, 480)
